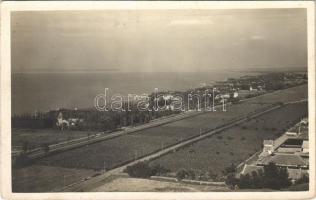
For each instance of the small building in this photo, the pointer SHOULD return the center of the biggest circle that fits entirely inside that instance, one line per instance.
(225, 96)
(268, 148)
(73, 122)
(285, 160)
(251, 88)
(268, 145)
(305, 146)
(61, 122)
(294, 173)
(304, 121)
(290, 133)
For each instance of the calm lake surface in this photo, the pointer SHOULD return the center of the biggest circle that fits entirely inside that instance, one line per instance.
(46, 91)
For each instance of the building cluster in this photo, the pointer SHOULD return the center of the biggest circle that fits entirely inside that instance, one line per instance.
(234, 89)
(291, 151)
(267, 81)
(63, 123)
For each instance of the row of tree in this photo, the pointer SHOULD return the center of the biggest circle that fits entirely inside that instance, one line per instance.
(91, 119)
(272, 176)
(144, 170)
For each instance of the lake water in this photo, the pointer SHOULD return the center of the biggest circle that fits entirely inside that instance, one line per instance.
(45, 91)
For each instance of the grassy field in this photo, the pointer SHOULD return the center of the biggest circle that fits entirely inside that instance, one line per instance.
(38, 178)
(287, 95)
(110, 153)
(212, 154)
(233, 145)
(36, 137)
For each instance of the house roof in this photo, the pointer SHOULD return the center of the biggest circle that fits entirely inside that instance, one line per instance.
(268, 142)
(285, 159)
(248, 169)
(289, 150)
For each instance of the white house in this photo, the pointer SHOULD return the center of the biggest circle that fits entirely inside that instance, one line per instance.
(305, 146)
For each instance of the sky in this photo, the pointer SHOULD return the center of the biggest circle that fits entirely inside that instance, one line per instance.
(158, 40)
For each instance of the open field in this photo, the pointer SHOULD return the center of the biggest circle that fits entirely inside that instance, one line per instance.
(145, 185)
(219, 151)
(287, 95)
(38, 178)
(111, 153)
(36, 137)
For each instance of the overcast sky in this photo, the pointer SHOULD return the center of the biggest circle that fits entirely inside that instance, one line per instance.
(159, 40)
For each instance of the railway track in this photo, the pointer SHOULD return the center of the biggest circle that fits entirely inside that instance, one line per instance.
(75, 143)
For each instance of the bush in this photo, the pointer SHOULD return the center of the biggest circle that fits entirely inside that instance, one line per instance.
(272, 177)
(191, 175)
(231, 180)
(303, 179)
(212, 175)
(140, 170)
(245, 181)
(275, 177)
(299, 187)
(257, 181)
(144, 170)
(181, 174)
(159, 170)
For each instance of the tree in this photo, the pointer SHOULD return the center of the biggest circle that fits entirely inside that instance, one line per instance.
(231, 180)
(181, 174)
(272, 176)
(159, 170)
(275, 177)
(140, 170)
(284, 180)
(303, 179)
(257, 181)
(191, 174)
(245, 181)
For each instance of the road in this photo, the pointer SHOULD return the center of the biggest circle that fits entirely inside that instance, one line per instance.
(85, 185)
(75, 143)
(90, 183)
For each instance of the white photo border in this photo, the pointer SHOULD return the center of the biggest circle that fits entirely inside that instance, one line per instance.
(5, 96)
